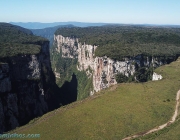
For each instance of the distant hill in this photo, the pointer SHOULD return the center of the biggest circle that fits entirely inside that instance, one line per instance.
(38, 25)
(48, 32)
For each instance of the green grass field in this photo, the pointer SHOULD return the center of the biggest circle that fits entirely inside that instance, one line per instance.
(114, 113)
(169, 133)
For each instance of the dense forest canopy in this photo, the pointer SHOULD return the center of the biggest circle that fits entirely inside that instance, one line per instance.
(17, 40)
(118, 41)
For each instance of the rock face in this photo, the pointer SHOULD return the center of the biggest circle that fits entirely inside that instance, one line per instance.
(5, 84)
(67, 45)
(85, 56)
(103, 69)
(156, 77)
(23, 88)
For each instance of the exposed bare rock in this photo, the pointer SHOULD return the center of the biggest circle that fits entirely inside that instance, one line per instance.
(156, 77)
(68, 46)
(105, 70)
(34, 67)
(23, 88)
(102, 69)
(86, 56)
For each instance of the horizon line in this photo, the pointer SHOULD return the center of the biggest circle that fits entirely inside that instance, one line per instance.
(164, 24)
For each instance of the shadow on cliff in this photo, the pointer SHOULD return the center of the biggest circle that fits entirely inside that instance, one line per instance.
(69, 91)
(64, 95)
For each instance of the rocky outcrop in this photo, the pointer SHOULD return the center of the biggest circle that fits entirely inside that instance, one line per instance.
(34, 68)
(86, 56)
(156, 77)
(103, 69)
(24, 93)
(66, 45)
(106, 69)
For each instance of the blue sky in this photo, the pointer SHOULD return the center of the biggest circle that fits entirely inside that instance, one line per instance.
(108, 11)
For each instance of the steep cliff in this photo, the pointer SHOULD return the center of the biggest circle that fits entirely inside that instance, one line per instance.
(67, 45)
(101, 69)
(22, 89)
(64, 58)
(104, 70)
(26, 78)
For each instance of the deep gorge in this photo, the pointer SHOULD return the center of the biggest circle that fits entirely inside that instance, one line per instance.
(27, 82)
(103, 71)
(35, 79)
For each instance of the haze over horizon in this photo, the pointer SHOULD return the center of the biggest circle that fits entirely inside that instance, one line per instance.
(93, 11)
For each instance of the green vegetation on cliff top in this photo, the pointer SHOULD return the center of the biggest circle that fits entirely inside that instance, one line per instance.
(117, 42)
(115, 113)
(16, 40)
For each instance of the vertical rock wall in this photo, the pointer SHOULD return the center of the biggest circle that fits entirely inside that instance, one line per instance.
(103, 69)
(66, 45)
(23, 88)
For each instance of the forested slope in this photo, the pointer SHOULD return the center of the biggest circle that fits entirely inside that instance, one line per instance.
(17, 40)
(117, 41)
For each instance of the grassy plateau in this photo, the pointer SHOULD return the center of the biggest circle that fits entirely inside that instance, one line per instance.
(115, 113)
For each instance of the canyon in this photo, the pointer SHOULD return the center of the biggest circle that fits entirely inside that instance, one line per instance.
(28, 82)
